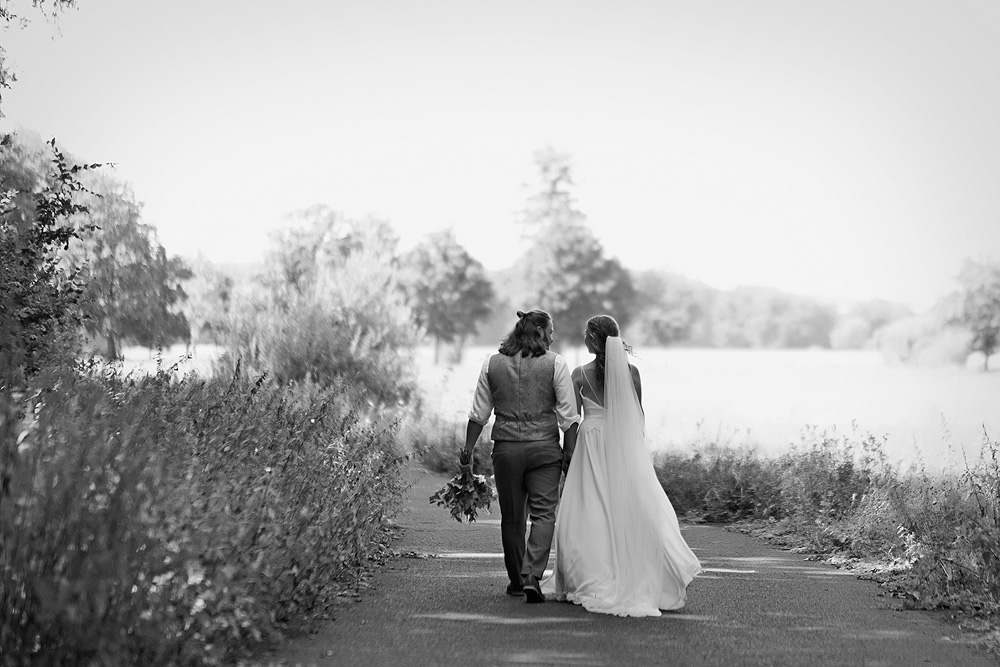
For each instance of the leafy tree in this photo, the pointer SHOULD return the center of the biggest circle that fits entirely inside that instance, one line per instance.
(330, 310)
(133, 289)
(670, 309)
(297, 250)
(854, 329)
(576, 281)
(447, 289)
(981, 306)
(568, 272)
(758, 317)
(851, 333)
(934, 337)
(319, 238)
(803, 322)
(39, 297)
(209, 299)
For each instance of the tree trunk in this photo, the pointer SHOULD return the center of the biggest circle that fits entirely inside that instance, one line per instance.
(8, 421)
(437, 349)
(986, 361)
(112, 351)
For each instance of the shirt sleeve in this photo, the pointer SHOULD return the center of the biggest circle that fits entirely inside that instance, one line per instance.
(482, 402)
(566, 411)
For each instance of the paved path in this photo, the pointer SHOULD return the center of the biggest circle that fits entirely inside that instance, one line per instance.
(444, 604)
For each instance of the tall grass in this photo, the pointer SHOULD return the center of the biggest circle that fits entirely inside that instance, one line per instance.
(953, 523)
(151, 521)
(937, 535)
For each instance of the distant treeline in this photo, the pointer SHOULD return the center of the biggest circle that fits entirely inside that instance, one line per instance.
(134, 293)
(673, 310)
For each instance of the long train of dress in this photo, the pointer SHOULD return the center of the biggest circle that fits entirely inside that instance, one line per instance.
(618, 545)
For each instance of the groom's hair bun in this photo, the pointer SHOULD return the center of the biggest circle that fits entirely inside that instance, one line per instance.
(524, 338)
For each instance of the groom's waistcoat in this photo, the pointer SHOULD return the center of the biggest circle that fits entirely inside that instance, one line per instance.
(524, 397)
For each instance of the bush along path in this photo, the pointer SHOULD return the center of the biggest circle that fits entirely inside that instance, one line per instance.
(148, 521)
(441, 601)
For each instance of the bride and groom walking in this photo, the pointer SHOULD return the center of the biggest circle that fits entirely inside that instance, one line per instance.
(618, 546)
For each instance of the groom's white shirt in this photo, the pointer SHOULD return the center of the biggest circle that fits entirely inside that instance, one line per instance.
(566, 412)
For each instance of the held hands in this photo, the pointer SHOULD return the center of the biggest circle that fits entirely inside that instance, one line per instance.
(465, 462)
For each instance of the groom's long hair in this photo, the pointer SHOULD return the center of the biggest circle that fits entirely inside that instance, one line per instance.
(524, 337)
(599, 327)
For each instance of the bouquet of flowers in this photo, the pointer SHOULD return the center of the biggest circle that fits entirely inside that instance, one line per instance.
(465, 493)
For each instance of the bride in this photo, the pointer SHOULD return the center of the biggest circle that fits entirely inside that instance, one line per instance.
(618, 545)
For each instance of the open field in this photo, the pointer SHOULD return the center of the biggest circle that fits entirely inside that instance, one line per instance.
(760, 398)
(764, 398)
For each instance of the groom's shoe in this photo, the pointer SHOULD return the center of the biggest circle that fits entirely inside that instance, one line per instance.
(516, 591)
(532, 591)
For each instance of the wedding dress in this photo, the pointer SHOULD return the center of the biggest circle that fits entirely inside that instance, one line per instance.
(618, 545)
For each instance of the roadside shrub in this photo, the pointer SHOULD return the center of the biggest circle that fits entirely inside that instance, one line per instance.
(305, 342)
(718, 483)
(822, 477)
(826, 477)
(935, 537)
(953, 521)
(152, 522)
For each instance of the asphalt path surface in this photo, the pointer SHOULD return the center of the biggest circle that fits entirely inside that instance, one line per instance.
(442, 602)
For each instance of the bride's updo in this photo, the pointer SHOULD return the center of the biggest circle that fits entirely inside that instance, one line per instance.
(599, 327)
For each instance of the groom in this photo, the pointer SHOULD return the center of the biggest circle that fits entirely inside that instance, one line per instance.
(530, 391)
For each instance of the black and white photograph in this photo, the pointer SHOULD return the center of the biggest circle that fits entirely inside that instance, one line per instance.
(444, 332)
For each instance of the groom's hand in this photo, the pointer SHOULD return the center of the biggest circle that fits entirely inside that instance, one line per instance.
(465, 462)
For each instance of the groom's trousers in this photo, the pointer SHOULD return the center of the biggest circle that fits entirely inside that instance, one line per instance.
(527, 480)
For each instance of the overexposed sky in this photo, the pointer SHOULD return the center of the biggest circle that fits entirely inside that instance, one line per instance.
(844, 149)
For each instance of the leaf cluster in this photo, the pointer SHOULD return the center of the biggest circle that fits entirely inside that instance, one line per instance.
(464, 495)
(39, 298)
